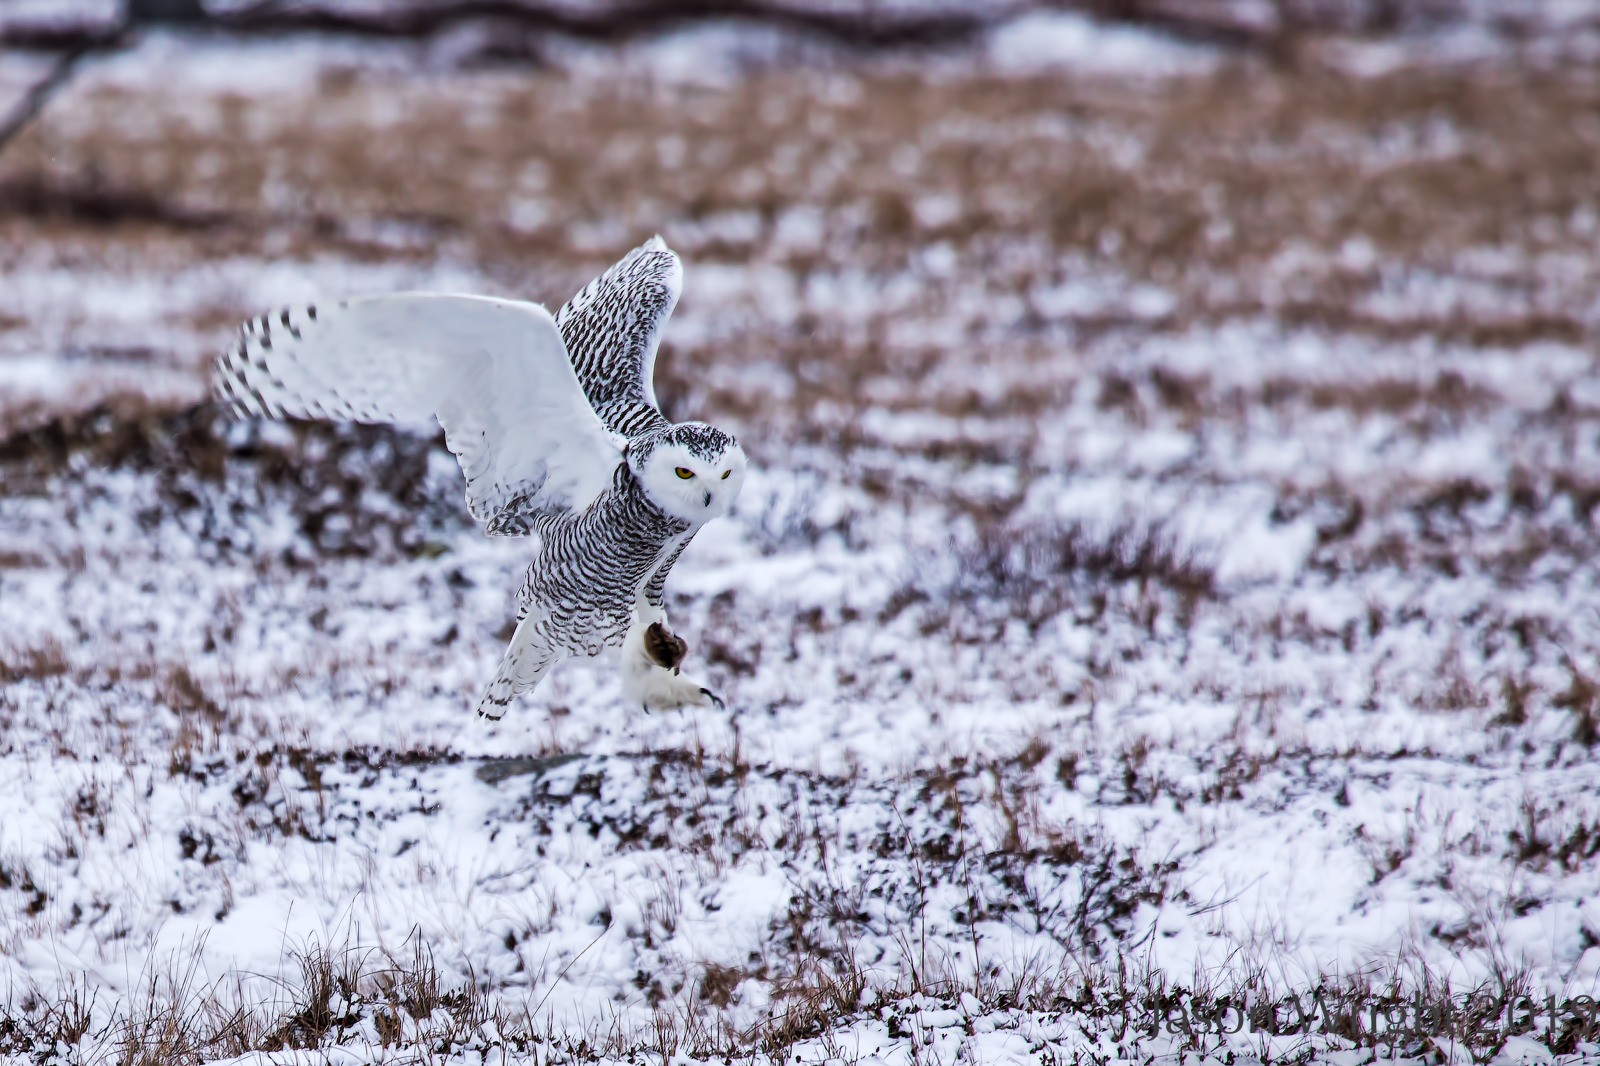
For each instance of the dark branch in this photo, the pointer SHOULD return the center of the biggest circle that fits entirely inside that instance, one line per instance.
(865, 26)
(33, 101)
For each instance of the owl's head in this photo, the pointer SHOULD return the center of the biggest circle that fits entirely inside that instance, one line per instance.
(691, 470)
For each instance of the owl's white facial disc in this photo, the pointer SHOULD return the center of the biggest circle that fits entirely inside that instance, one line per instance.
(694, 472)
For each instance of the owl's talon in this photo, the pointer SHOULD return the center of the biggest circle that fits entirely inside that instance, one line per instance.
(715, 699)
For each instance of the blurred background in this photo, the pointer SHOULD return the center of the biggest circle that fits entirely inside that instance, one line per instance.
(1171, 540)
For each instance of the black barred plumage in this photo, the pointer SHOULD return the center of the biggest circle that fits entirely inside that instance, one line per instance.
(705, 442)
(591, 566)
(555, 424)
(612, 328)
(242, 371)
(594, 568)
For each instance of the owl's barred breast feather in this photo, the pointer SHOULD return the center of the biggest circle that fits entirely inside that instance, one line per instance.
(591, 568)
(555, 425)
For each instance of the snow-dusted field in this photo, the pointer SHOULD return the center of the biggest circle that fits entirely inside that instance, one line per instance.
(1169, 554)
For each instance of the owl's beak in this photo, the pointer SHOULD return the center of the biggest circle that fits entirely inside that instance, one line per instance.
(708, 499)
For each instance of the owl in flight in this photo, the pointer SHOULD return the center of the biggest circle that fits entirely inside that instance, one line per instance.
(555, 424)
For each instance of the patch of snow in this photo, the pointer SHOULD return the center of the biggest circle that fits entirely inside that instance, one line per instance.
(1044, 40)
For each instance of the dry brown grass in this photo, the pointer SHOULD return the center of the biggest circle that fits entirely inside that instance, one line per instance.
(186, 448)
(342, 998)
(1247, 194)
(1183, 184)
(1285, 192)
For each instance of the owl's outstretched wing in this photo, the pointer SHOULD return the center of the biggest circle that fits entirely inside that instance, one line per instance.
(612, 328)
(495, 374)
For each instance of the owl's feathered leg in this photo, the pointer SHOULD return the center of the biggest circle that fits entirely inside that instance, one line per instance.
(527, 658)
(651, 685)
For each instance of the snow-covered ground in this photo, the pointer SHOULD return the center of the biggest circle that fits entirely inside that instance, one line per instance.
(1168, 554)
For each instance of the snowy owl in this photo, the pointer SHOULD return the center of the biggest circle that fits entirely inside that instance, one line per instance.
(555, 424)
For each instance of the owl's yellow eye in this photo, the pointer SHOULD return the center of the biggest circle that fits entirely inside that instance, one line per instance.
(684, 472)
(725, 474)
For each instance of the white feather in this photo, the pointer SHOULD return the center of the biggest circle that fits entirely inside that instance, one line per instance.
(495, 374)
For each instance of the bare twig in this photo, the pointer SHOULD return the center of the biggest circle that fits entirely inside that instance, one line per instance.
(39, 94)
(570, 964)
(866, 26)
